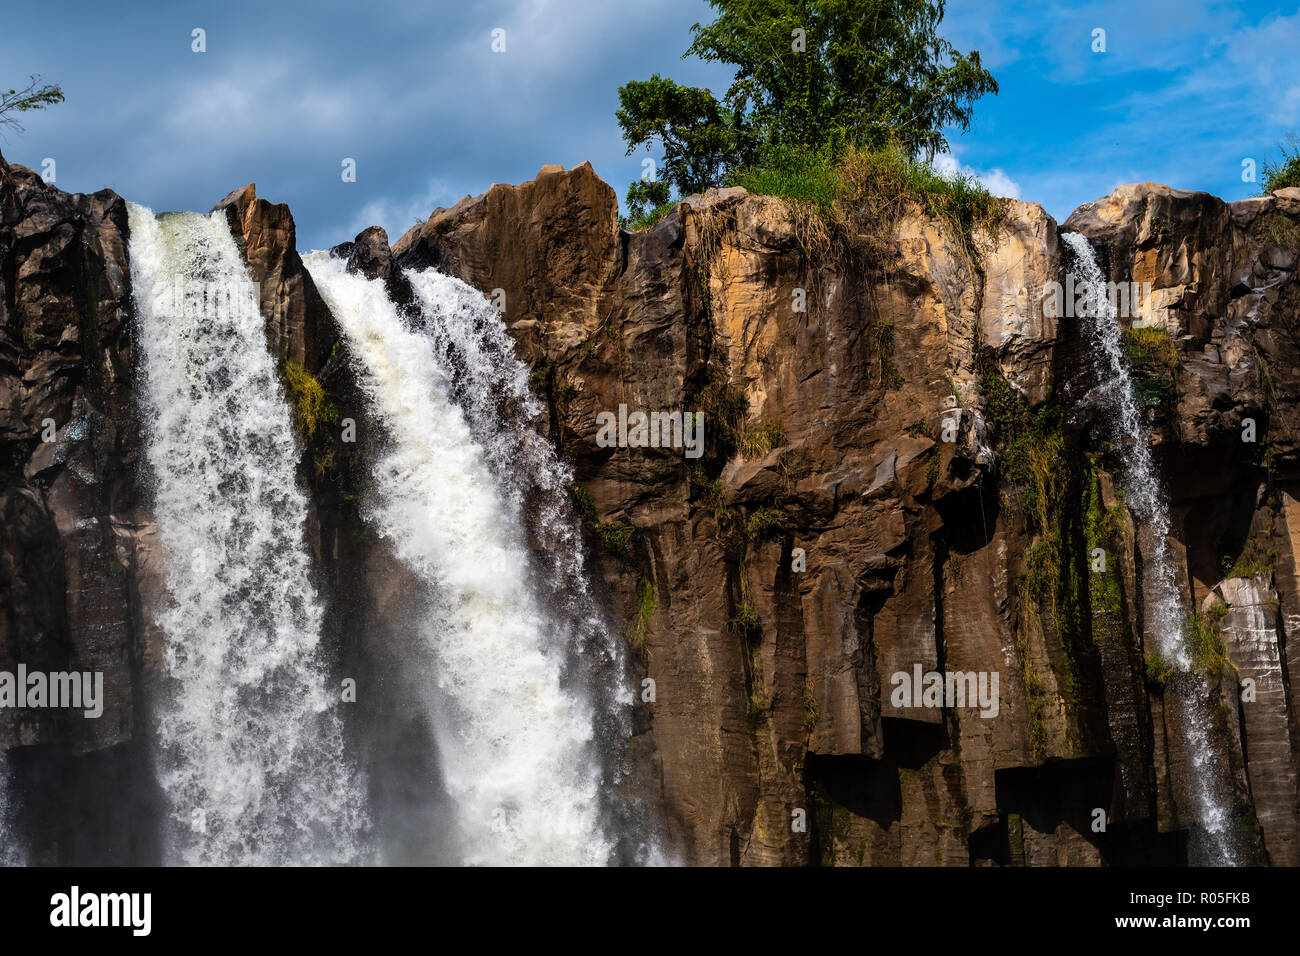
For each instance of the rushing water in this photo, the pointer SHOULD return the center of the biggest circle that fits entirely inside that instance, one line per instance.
(251, 751)
(519, 734)
(1165, 613)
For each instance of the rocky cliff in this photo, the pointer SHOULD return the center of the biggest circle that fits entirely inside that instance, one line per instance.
(904, 471)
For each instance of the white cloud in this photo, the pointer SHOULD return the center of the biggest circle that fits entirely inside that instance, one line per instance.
(398, 213)
(995, 180)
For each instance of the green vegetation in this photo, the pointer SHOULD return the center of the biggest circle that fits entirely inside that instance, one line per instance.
(35, 96)
(836, 105)
(1208, 652)
(563, 396)
(1158, 668)
(311, 406)
(882, 336)
(809, 706)
(1153, 357)
(643, 218)
(757, 442)
(1103, 528)
(762, 521)
(1149, 345)
(1252, 561)
(615, 537)
(724, 408)
(1283, 172)
(1032, 447)
(639, 627)
(746, 621)
(811, 77)
(1282, 232)
(864, 193)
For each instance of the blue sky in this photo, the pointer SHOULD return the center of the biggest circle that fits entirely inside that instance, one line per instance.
(413, 92)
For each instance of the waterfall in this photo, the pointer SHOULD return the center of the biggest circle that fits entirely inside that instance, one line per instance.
(517, 735)
(251, 749)
(1165, 613)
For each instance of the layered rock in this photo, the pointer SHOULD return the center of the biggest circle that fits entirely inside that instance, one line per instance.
(861, 510)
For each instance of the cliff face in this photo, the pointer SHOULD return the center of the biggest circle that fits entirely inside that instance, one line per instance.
(904, 467)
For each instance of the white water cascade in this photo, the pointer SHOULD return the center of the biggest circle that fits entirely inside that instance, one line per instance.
(518, 735)
(251, 749)
(1165, 613)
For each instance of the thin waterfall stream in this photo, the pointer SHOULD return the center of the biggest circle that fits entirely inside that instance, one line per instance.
(1166, 614)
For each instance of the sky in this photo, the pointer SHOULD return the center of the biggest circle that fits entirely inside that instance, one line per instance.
(1183, 93)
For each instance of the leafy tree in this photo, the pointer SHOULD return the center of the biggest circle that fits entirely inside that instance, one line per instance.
(811, 76)
(699, 136)
(36, 96)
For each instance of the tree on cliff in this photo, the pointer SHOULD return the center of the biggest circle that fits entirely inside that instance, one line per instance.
(35, 96)
(812, 77)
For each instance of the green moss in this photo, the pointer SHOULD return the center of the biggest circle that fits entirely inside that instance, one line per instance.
(539, 379)
(724, 408)
(311, 406)
(1153, 358)
(1204, 644)
(762, 521)
(639, 627)
(1158, 668)
(1030, 442)
(919, 429)
(746, 621)
(1148, 346)
(932, 468)
(809, 707)
(1103, 528)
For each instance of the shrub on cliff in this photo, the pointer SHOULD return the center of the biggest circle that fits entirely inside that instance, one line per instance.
(814, 79)
(1286, 171)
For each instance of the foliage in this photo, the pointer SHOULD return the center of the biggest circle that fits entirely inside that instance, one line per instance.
(757, 442)
(1205, 645)
(311, 406)
(615, 537)
(1032, 446)
(810, 711)
(866, 192)
(811, 76)
(35, 96)
(1149, 347)
(1285, 171)
(762, 521)
(639, 628)
(1158, 668)
(1252, 561)
(1282, 232)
